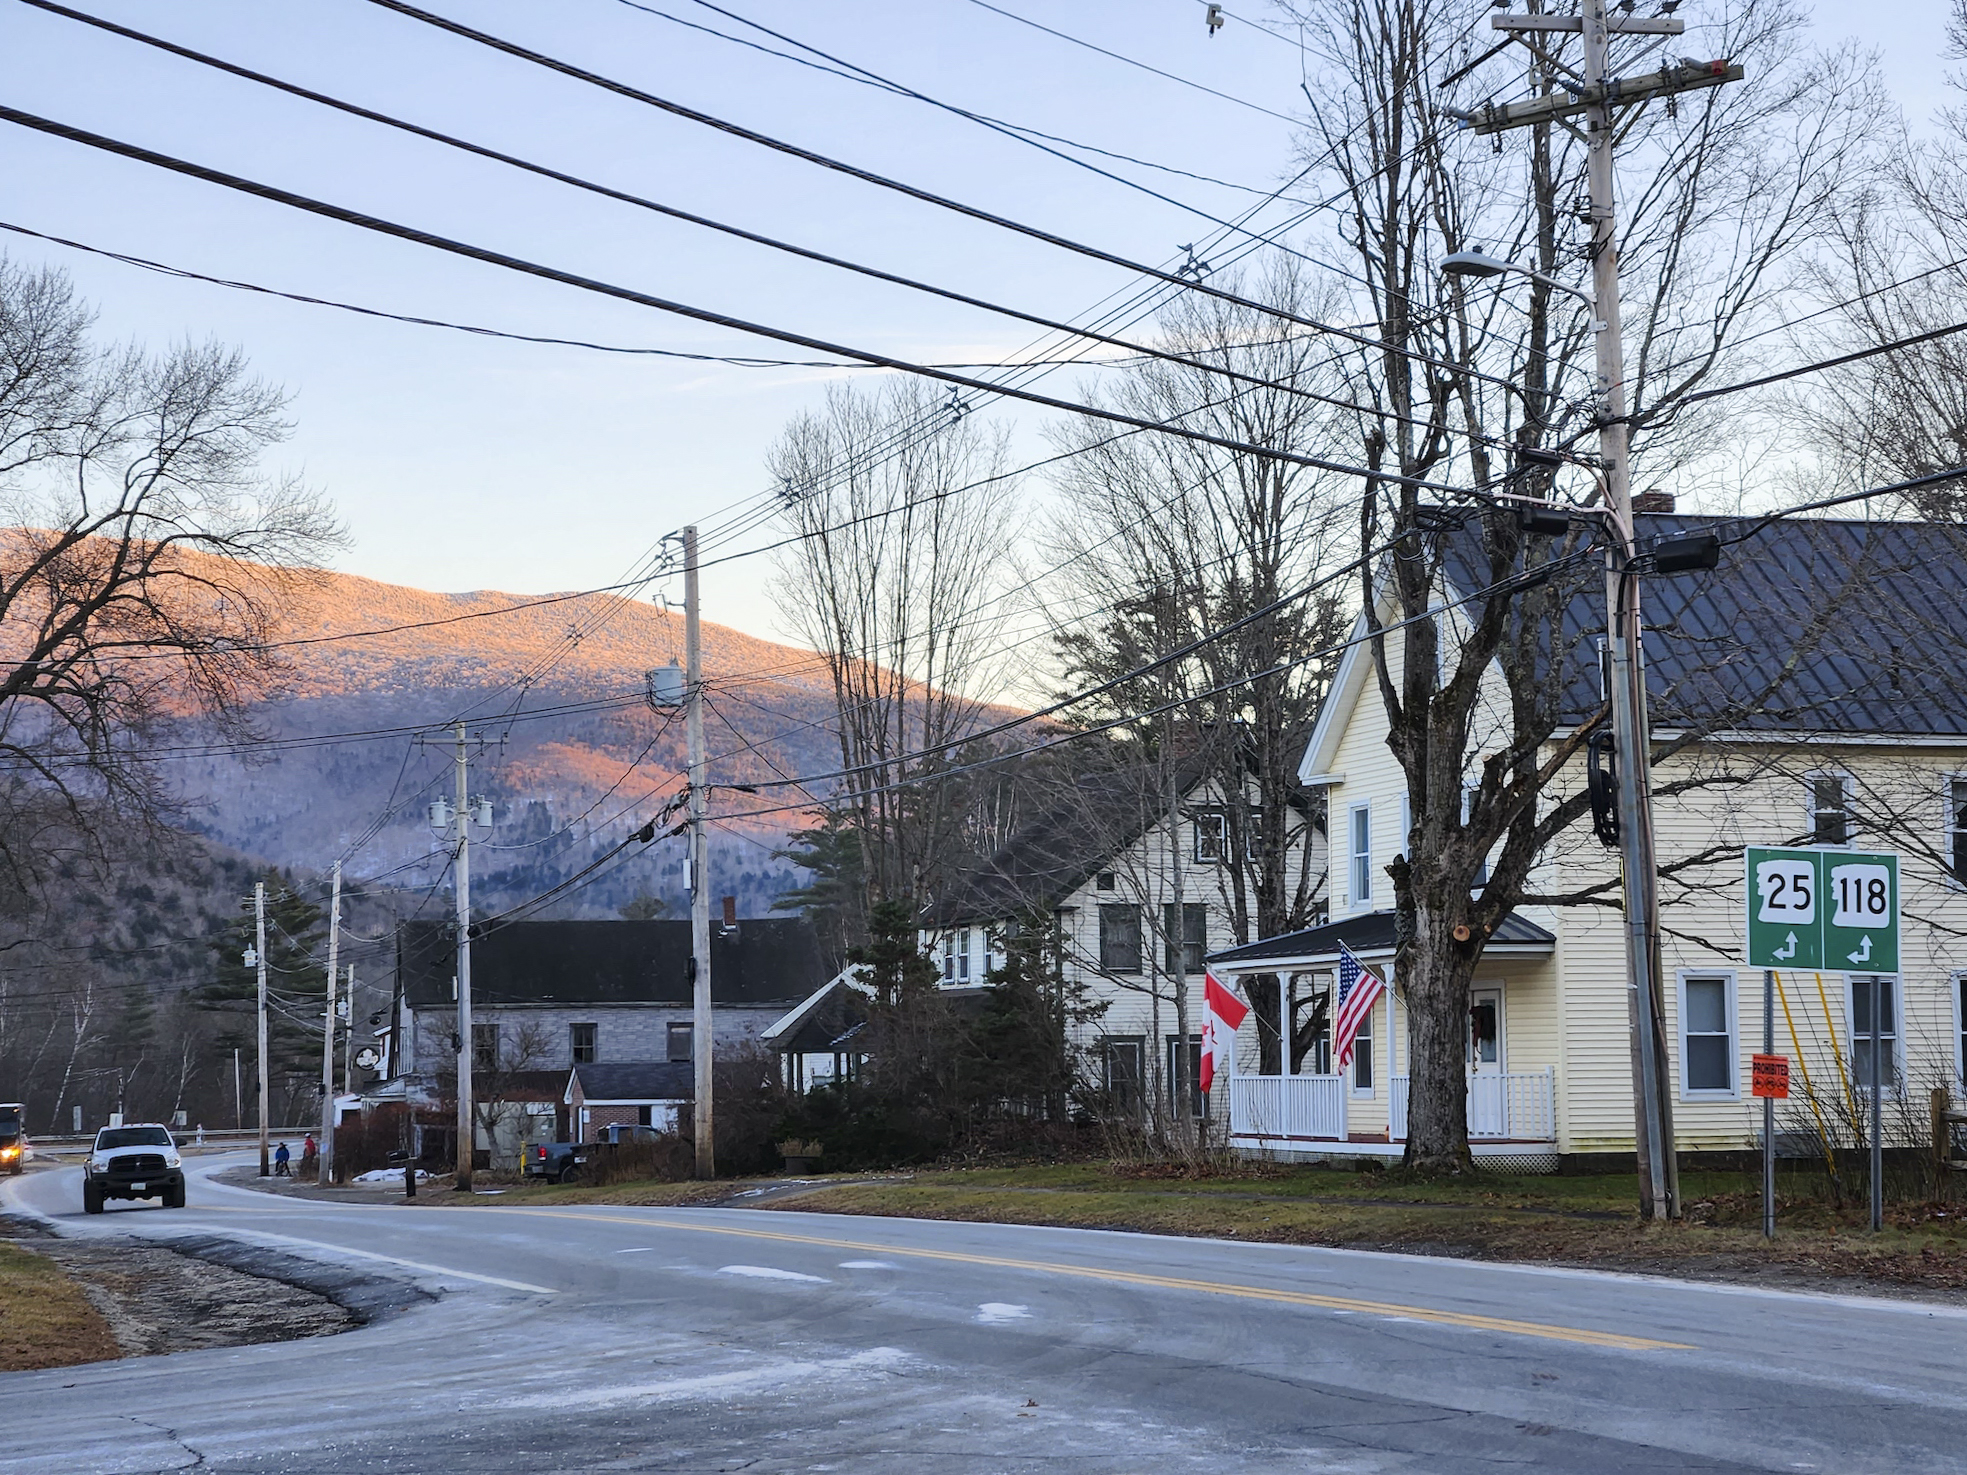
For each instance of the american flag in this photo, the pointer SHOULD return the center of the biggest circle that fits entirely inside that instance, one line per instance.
(1359, 990)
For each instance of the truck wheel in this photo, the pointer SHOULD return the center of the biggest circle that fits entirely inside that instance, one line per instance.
(174, 1197)
(570, 1174)
(91, 1199)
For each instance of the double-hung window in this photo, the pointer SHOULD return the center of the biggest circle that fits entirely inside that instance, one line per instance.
(580, 1041)
(1830, 809)
(1874, 1002)
(956, 955)
(1185, 1069)
(1362, 1056)
(1194, 933)
(1120, 937)
(1360, 836)
(485, 1046)
(682, 1041)
(1707, 1035)
(1960, 1022)
(1211, 837)
(1957, 830)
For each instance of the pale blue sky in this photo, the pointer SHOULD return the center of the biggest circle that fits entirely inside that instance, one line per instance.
(464, 463)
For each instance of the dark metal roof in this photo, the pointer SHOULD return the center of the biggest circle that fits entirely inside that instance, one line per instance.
(1369, 932)
(762, 961)
(1090, 818)
(833, 1017)
(636, 1080)
(1808, 624)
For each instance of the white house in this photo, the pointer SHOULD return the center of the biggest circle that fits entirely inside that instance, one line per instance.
(1824, 667)
(1100, 862)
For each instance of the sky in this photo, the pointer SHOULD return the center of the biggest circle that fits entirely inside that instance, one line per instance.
(463, 462)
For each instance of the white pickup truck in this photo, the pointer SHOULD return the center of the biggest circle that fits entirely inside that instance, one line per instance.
(139, 1161)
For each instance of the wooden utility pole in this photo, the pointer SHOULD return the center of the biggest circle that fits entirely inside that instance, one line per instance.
(259, 957)
(702, 1035)
(1595, 95)
(466, 1135)
(324, 1159)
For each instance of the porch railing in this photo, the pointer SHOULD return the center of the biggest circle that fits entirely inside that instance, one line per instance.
(1288, 1106)
(1517, 1106)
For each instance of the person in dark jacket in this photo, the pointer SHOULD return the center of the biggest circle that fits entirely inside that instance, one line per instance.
(281, 1158)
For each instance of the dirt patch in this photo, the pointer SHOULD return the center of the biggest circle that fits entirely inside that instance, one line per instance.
(142, 1298)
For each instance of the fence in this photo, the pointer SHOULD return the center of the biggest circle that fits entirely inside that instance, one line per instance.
(1513, 1106)
(1288, 1106)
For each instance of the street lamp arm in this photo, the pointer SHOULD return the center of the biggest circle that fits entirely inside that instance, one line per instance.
(1480, 264)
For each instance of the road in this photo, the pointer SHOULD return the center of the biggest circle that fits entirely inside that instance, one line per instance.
(620, 1339)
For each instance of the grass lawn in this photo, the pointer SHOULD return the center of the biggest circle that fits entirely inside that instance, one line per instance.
(45, 1320)
(1557, 1219)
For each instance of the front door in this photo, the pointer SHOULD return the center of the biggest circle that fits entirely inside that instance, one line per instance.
(1487, 1109)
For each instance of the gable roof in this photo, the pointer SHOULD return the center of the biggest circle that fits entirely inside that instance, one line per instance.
(823, 1023)
(634, 1080)
(765, 960)
(1078, 830)
(1808, 625)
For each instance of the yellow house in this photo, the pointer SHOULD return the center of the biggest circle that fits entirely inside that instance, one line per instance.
(1849, 637)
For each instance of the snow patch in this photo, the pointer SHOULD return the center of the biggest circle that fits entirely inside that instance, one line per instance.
(996, 1313)
(771, 1272)
(866, 1265)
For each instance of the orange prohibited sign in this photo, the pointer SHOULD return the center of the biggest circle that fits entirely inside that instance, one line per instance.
(1769, 1076)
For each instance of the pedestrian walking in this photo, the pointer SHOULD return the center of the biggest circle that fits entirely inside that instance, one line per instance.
(281, 1158)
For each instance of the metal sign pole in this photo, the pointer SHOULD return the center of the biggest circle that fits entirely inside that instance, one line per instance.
(1877, 1106)
(1768, 1108)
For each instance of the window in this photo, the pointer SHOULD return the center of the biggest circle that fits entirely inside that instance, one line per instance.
(1253, 834)
(1960, 1021)
(580, 1037)
(1189, 1074)
(1957, 830)
(1869, 992)
(1106, 881)
(1195, 934)
(1830, 809)
(1362, 853)
(682, 1041)
(1707, 1034)
(1318, 1057)
(1120, 938)
(1362, 1056)
(485, 1046)
(956, 956)
(1211, 838)
(1123, 1060)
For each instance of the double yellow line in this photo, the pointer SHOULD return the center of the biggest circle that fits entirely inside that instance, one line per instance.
(1466, 1320)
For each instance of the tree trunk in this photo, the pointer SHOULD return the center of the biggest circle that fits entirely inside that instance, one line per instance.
(1435, 972)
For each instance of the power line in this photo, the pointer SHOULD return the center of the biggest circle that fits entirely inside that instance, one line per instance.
(634, 94)
(1241, 102)
(1831, 363)
(627, 294)
(624, 197)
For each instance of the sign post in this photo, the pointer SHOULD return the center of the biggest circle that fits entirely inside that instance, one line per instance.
(1820, 910)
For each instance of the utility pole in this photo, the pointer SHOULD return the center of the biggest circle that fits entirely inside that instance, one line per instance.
(348, 1037)
(466, 1135)
(702, 1036)
(324, 1158)
(1595, 95)
(259, 958)
(238, 1093)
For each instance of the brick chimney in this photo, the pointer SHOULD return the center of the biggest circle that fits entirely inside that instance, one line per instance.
(1652, 501)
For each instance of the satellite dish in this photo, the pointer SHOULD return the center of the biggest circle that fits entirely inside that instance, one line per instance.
(367, 1057)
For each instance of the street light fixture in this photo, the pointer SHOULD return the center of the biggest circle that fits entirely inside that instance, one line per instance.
(1480, 264)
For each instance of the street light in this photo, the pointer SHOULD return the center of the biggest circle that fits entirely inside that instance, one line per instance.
(1652, 1106)
(1479, 264)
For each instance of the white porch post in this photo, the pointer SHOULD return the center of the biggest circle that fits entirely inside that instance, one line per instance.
(1283, 1026)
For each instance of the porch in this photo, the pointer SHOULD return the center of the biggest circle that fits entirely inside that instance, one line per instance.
(1308, 1113)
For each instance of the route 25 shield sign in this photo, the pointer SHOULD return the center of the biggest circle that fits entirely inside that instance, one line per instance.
(1820, 910)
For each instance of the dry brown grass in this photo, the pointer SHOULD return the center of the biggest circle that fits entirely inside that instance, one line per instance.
(45, 1319)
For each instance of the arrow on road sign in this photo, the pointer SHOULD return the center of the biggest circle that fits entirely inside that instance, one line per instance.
(1864, 950)
(1789, 951)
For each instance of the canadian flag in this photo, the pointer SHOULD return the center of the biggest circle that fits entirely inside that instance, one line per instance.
(1222, 1015)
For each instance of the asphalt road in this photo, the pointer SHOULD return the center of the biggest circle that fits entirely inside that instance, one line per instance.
(617, 1339)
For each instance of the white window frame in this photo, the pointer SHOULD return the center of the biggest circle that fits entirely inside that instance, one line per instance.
(1957, 1000)
(1950, 828)
(1363, 1045)
(1406, 826)
(1729, 991)
(1215, 820)
(1895, 1088)
(1359, 862)
(1810, 810)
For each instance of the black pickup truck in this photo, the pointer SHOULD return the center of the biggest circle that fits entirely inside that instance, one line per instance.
(557, 1162)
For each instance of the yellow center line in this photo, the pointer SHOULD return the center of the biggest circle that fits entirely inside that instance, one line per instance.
(1463, 1319)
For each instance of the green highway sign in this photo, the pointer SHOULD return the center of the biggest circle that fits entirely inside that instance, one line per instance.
(1823, 910)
